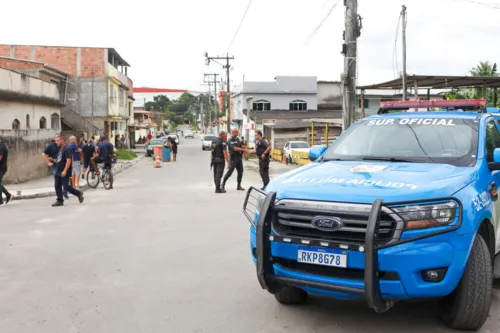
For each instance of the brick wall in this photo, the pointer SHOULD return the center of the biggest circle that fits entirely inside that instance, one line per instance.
(13, 64)
(92, 58)
(63, 58)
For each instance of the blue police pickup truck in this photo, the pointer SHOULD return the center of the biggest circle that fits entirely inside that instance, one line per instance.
(401, 206)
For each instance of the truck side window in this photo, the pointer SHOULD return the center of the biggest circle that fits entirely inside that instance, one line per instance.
(492, 139)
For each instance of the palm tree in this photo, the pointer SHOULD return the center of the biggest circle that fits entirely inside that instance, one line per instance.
(485, 68)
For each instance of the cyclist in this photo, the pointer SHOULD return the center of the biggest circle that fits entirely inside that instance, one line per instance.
(105, 154)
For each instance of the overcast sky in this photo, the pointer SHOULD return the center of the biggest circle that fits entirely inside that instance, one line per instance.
(164, 41)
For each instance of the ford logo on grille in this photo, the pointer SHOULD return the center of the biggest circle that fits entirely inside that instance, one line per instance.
(327, 223)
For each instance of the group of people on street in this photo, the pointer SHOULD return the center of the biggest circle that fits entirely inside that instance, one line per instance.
(65, 160)
(234, 159)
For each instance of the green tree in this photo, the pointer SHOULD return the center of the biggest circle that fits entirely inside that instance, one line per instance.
(159, 103)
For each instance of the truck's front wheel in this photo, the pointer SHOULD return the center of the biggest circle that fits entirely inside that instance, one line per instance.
(467, 308)
(291, 295)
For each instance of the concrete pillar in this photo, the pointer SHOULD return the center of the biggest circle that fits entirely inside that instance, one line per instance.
(79, 62)
(12, 51)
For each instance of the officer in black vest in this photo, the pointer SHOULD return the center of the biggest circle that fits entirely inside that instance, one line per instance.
(236, 150)
(263, 149)
(219, 157)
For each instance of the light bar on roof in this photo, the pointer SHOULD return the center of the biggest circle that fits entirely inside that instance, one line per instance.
(441, 104)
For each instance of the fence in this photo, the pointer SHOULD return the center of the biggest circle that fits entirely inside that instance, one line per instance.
(300, 157)
(277, 155)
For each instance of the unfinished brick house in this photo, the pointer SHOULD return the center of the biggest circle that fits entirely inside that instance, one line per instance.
(98, 96)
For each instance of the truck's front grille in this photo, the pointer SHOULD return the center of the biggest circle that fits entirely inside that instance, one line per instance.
(296, 221)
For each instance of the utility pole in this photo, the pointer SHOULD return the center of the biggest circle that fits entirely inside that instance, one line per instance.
(403, 18)
(214, 75)
(227, 67)
(92, 72)
(351, 33)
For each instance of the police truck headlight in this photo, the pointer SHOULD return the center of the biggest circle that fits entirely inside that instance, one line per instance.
(427, 216)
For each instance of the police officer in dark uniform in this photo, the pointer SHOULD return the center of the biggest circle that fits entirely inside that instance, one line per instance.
(219, 158)
(263, 149)
(236, 150)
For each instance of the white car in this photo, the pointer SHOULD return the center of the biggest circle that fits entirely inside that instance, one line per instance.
(296, 146)
(188, 135)
(206, 141)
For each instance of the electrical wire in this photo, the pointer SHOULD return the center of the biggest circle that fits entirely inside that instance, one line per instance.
(239, 25)
(311, 36)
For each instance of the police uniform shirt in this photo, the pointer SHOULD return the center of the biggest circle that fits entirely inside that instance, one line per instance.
(261, 148)
(218, 147)
(235, 142)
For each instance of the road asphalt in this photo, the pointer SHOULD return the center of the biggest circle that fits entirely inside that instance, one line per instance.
(161, 253)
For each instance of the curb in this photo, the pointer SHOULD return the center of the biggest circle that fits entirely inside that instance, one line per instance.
(84, 187)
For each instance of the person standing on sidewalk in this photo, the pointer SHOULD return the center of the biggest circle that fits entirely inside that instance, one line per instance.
(219, 156)
(173, 145)
(50, 156)
(263, 149)
(76, 167)
(4, 154)
(236, 150)
(63, 173)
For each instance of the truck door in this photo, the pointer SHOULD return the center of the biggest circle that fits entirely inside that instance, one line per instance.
(492, 142)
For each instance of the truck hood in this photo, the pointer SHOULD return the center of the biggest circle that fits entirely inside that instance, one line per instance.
(354, 181)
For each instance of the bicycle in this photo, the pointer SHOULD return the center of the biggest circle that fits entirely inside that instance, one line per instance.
(106, 176)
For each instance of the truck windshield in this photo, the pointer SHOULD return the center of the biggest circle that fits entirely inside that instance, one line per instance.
(419, 140)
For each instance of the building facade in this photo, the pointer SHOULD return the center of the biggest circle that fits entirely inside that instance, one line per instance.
(98, 89)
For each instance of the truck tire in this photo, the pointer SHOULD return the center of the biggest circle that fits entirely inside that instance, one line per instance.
(291, 295)
(467, 308)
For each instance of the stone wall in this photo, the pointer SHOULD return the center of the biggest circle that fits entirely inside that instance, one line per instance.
(25, 149)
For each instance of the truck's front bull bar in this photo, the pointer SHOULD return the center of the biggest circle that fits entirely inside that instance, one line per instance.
(273, 283)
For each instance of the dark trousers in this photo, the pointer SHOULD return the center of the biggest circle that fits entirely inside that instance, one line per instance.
(238, 165)
(2, 188)
(54, 172)
(264, 171)
(218, 172)
(62, 184)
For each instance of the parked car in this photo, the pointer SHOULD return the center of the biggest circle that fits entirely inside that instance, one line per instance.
(154, 143)
(188, 135)
(297, 146)
(402, 206)
(206, 141)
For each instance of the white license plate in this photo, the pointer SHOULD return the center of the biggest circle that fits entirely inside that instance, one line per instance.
(322, 256)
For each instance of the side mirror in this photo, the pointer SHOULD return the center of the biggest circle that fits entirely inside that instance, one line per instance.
(495, 165)
(316, 151)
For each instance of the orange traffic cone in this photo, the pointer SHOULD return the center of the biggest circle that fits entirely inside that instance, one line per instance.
(157, 163)
(283, 160)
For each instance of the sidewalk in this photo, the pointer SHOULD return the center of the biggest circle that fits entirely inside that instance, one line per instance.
(44, 187)
(275, 168)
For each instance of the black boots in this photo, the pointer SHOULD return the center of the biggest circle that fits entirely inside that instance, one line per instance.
(220, 190)
(239, 188)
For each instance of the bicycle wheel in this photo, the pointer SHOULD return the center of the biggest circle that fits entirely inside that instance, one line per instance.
(92, 179)
(108, 180)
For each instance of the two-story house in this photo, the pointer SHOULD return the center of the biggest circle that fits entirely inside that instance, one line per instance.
(97, 90)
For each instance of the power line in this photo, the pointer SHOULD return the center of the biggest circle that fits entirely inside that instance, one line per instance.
(239, 26)
(311, 36)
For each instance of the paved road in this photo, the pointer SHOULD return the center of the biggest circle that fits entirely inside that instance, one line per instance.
(160, 253)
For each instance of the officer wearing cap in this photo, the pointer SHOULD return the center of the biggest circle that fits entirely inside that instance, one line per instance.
(219, 157)
(236, 150)
(263, 149)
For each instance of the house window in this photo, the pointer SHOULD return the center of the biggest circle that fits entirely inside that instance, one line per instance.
(112, 93)
(262, 105)
(54, 121)
(27, 121)
(298, 105)
(122, 99)
(365, 103)
(43, 123)
(16, 124)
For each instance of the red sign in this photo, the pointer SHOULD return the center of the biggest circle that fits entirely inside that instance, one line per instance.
(456, 103)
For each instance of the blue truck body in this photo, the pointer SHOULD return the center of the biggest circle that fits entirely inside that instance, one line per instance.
(398, 229)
